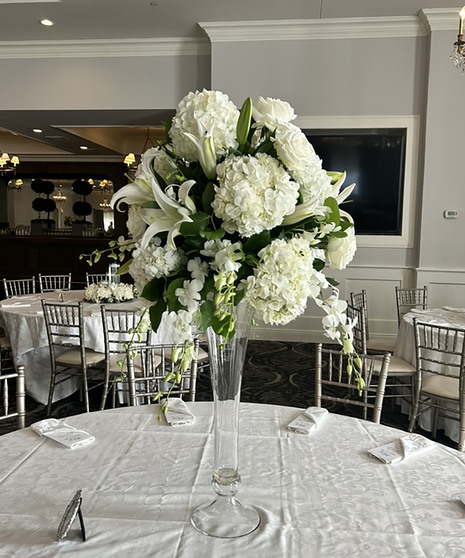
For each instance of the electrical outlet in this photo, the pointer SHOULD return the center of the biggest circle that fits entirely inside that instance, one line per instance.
(451, 214)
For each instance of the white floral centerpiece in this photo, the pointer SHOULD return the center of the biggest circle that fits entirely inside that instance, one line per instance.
(105, 293)
(235, 204)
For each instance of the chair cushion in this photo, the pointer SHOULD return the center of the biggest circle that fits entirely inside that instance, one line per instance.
(201, 355)
(73, 358)
(397, 367)
(115, 368)
(441, 386)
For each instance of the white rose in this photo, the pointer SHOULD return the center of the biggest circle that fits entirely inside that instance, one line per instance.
(272, 112)
(342, 250)
(294, 149)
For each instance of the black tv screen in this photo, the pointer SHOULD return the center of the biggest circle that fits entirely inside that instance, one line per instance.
(375, 160)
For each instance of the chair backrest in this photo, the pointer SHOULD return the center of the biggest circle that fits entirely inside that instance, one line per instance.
(334, 384)
(15, 287)
(18, 394)
(359, 300)
(92, 278)
(151, 372)
(65, 328)
(120, 330)
(357, 315)
(440, 350)
(50, 283)
(406, 299)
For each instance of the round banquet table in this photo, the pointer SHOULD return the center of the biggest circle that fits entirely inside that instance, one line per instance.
(319, 495)
(405, 349)
(23, 319)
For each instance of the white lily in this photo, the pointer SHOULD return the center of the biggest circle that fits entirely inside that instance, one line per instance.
(301, 212)
(169, 215)
(206, 150)
(138, 192)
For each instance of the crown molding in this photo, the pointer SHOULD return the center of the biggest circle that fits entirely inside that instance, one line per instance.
(102, 48)
(440, 19)
(298, 29)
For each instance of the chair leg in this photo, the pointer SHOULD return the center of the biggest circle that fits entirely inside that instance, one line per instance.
(85, 389)
(51, 390)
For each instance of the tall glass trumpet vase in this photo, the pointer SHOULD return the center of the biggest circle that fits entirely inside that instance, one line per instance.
(226, 517)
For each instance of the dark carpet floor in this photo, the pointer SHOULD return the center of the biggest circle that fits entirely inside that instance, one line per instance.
(275, 372)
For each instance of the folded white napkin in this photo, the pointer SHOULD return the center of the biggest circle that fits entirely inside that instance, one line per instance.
(308, 420)
(177, 413)
(452, 309)
(62, 433)
(402, 448)
(15, 305)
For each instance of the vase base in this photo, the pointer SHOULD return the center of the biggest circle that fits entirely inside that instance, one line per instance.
(225, 518)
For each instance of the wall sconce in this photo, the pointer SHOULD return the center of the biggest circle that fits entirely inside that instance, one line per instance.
(15, 184)
(8, 164)
(458, 53)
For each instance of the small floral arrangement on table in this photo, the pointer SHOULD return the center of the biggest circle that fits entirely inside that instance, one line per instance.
(235, 205)
(106, 293)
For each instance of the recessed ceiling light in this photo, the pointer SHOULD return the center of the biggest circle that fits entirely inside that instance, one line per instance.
(37, 130)
(46, 22)
(84, 147)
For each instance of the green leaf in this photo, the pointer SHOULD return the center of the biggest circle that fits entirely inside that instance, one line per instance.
(199, 223)
(156, 313)
(208, 234)
(256, 242)
(206, 314)
(335, 216)
(332, 281)
(208, 196)
(208, 287)
(318, 264)
(170, 297)
(153, 290)
(244, 121)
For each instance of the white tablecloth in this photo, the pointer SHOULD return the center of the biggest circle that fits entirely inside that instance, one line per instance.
(319, 496)
(405, 348)
(24, 322)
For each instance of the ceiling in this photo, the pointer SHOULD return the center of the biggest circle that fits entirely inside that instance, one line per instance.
(114, 133)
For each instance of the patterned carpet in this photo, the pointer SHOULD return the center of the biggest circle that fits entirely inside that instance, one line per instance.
(275, 372)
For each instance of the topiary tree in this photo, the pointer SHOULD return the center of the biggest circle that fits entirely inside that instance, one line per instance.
(43, 205)
(82, 208)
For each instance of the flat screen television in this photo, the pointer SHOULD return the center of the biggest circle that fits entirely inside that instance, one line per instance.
(374, 159)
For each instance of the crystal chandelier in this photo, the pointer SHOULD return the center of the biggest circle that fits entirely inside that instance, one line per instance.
(458, 53)
(8, 164)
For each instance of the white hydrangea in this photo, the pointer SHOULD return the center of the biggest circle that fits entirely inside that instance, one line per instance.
(153, 262)
(316, 187)
(204, 112)
(283, 281)
(165, 166)
(254, 194)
